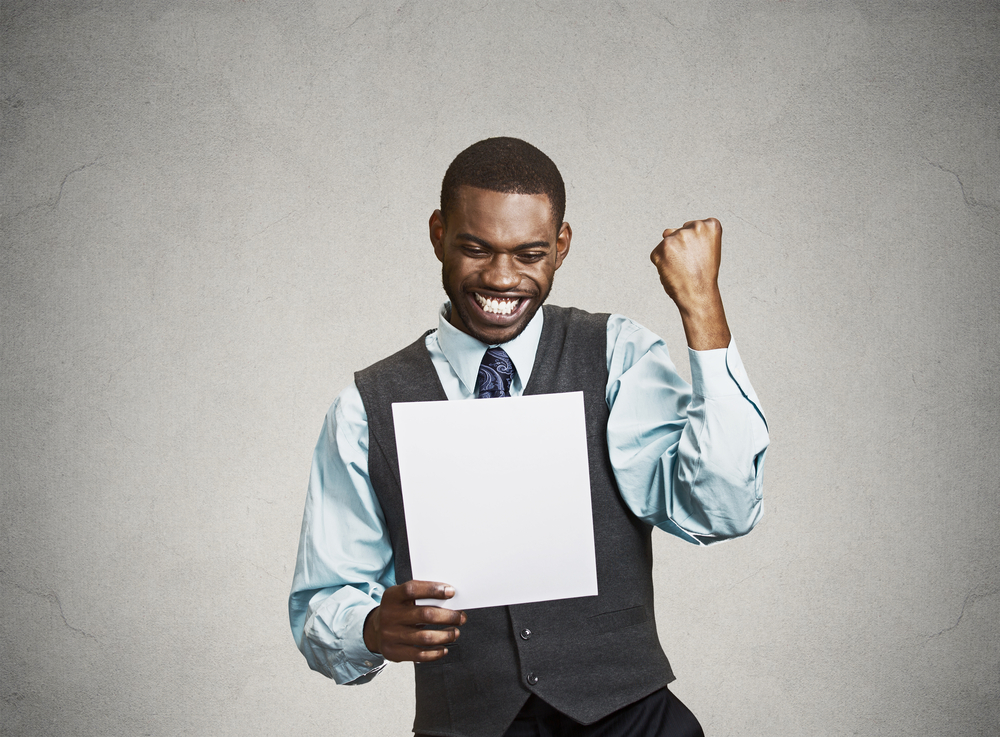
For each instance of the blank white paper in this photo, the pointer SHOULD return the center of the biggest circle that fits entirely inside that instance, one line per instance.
(497, 498)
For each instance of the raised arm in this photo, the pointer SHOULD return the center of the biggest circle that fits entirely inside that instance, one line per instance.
(687, 458)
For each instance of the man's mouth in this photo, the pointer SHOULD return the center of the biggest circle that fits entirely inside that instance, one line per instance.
(497, 305)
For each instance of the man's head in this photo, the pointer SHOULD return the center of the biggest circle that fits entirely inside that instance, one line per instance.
(499, 236)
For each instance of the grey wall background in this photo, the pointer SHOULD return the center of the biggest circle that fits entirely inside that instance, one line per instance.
(214, 212)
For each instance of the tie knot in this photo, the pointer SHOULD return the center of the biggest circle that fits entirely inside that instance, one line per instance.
(495, 374)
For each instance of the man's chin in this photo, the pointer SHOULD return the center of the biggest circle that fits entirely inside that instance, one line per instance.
(489, 333)
(494, 335)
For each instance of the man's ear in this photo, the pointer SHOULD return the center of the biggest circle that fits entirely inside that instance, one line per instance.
(436, 228)
(562, 243)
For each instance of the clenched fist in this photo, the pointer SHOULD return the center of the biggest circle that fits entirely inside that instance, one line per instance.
(687, 260)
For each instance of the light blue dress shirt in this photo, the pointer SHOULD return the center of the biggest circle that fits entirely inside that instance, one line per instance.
(687, 458)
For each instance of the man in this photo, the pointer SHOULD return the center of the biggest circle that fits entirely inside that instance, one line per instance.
(685, 459)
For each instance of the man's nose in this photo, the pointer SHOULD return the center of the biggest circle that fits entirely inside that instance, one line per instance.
(501, 274)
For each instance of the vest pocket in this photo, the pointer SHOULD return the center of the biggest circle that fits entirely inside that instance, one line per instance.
(618, 620)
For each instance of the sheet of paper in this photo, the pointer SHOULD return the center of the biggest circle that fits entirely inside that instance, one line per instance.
(497, 498)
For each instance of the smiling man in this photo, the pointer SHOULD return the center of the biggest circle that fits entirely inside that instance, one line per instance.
(686, 459)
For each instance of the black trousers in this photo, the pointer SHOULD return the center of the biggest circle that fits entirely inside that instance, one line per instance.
(661, 714)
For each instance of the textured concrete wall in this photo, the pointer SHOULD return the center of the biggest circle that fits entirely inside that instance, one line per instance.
(214, 212)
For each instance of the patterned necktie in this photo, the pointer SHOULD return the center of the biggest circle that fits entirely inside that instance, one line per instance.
(495, 374)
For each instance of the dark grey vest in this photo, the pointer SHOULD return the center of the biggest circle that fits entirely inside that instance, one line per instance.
(588, 656)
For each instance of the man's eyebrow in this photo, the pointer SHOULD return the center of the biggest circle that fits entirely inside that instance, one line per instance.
(487, 244)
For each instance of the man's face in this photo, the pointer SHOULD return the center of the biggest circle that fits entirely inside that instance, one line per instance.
(499, 253)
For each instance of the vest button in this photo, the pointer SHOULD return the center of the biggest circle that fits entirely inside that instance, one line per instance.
(532, 679)
(526, 634)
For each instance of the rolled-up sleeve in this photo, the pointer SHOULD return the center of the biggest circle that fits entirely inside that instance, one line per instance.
(344, 560)
(687, 458)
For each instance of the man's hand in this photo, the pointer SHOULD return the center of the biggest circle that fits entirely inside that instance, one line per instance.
(688, 261)
(397, 627)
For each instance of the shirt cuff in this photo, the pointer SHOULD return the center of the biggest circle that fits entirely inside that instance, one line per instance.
(710, 375)
(355, 651)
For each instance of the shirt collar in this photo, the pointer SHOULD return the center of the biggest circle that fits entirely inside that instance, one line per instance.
(465, 353)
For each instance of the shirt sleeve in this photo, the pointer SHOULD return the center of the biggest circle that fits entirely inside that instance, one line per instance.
(345, 558)
(687, 458)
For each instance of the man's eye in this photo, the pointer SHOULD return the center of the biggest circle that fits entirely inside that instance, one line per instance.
(530, 258)
(473, 251)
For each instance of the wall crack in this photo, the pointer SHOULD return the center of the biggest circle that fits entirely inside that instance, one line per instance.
(52, 598)
(977, 206)
(970, 598)
(51, 203)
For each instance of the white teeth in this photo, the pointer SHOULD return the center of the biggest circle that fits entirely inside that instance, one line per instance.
(496, 306)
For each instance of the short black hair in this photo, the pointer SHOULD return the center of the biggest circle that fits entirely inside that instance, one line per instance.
(507, 165)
